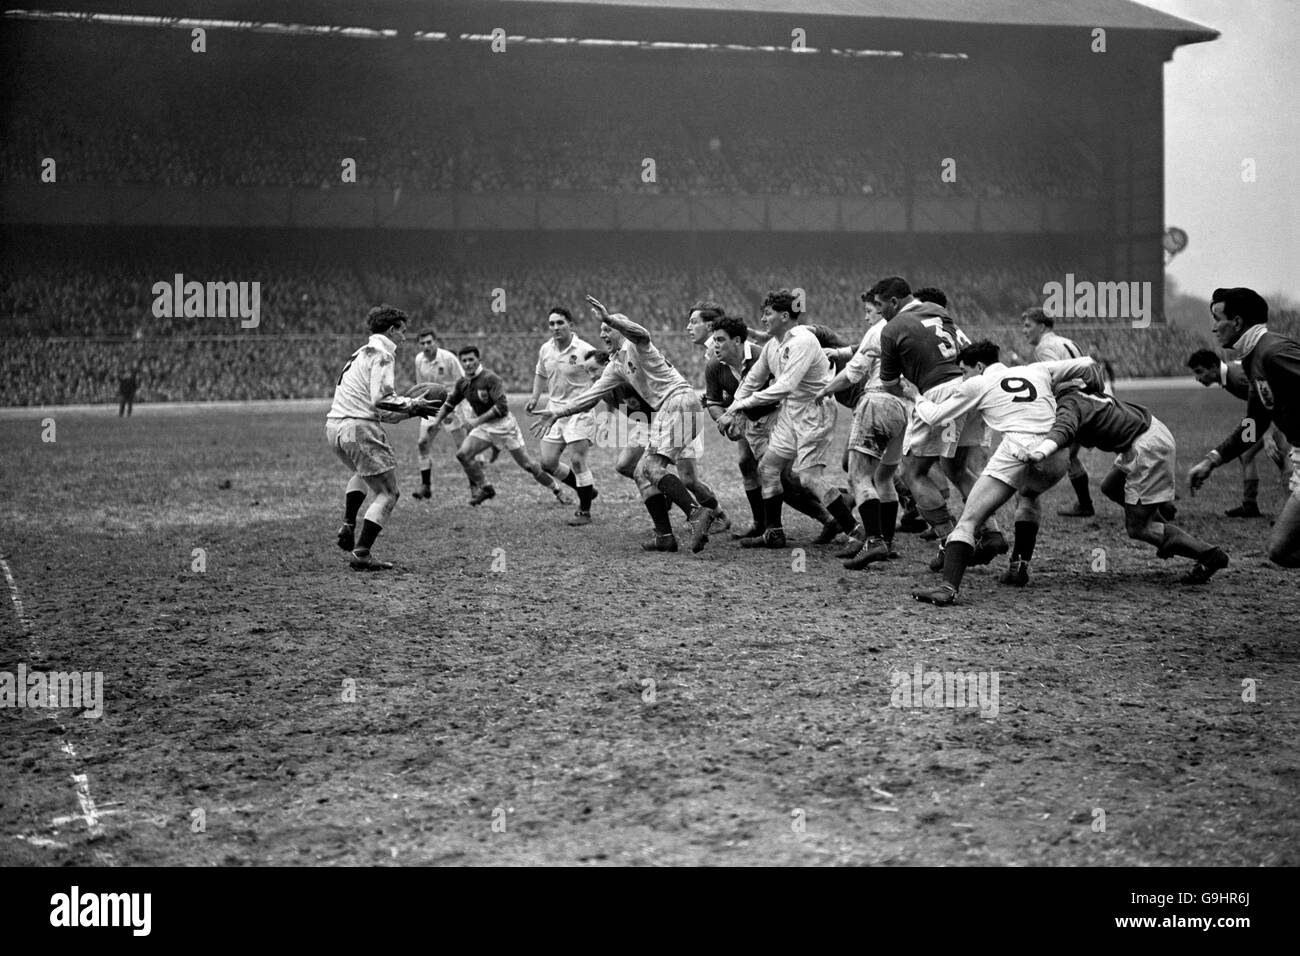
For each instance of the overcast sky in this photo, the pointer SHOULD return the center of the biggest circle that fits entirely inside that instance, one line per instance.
(1232, 99)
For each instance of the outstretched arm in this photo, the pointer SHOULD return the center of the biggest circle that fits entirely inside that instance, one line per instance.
(616, 320)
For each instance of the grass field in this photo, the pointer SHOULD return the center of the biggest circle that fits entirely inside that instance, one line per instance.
(526, 692)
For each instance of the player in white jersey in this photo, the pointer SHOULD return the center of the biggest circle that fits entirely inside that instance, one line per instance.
(1040, 330)
(678, 415)
(560, 372)
(354, 432)
(804, 429)
(436, 364)
(875, 446)
(1019, 404)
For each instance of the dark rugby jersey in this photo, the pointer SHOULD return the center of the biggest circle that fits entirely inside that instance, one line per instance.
(627, 398)
(720, 385)
(920, 345)
(1098, 421)
(1272, 368)
(484, 391)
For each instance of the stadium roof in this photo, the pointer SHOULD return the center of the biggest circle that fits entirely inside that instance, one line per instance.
(850, 23)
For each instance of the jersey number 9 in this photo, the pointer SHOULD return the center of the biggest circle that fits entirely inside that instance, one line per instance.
(1021, 389)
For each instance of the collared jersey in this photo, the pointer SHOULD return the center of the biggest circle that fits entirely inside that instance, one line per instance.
(864, 367)
(484, 391)
(444, 368)
(1017, 399)
(797, 364)
(721, 383)
(920, 344)
(1055, 348)
(641, 366)
(1098, 421)
(1272, 368)
(365, 379)
(562, 369)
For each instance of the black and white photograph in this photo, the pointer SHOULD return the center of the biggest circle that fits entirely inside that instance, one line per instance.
(651, 433)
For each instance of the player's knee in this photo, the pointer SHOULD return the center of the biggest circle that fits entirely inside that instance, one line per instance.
(1285, 554)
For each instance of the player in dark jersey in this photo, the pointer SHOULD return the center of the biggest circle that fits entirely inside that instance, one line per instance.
(492, 426)
(1210, 370)
(1142, 479)
(1272, 366)
(733, 353)
(920, 343)
(1040, 332)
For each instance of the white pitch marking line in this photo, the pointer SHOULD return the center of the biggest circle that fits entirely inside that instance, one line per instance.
(80, 781)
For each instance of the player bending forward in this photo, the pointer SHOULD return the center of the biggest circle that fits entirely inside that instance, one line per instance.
(353, 430)
(1016, 402)
(1272, 366)
(676, 423)
(1141, 480)
(492, 426)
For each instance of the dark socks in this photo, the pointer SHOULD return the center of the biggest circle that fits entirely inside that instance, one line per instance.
(1026, 536)
(570, 479)
(755, 498)
(772, 511)
(353, 505)
(888, 519)
(585, 494)
(843, 515)
(657, 505)
(672, 488)
(424, 475)
(1250, 491)
(869, 512)
(1081, 491)
(956, 555)
(369, 531)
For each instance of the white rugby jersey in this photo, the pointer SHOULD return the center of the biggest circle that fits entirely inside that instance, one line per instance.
(562, 369)
(800, 367)
(1017, 399)
(866, 360)
(366, 379)
(444, 368)
(1055, 348)
(641, 366)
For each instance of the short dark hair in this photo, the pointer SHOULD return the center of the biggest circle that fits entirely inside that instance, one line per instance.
(890, 287)
(709, 311)
(424, 332)
(469, 350)
(600, 355)
(931, 294)
(560, 310)
(981, 351)
(781, 300)
(1036, 314)
(1203, 358)
(732, 326)
(1243, 302)
(383, 317)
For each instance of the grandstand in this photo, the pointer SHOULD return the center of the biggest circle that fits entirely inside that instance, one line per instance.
(985, 148)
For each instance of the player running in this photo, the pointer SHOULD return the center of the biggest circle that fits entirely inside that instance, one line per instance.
(1141, 480)
(439, 365)
(804, 429)
(734, 355)
(636, 361)
(559, 371)
(1272, 366)
(875, 446)
(353, 430)
(1050, 347)
(1209, 370)
(1019, 404)
(491, 426)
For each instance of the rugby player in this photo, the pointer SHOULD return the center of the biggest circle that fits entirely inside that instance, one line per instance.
(1272, 366)
(676, 423)
(492, 425)
(354, 432)
(804, 429)
(920, 343)
(1141, 480)
(875, 446)
(435, 364)
(1049, 347)
(1019, 404)
(734, 355)
(560, 371)
(1209, 370)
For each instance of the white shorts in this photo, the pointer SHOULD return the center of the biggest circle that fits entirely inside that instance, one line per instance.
(756, 433)
(943, 440)
(676, 425)
(879, 426)
(501, 433)
(580, 427)
(1149, 466)
(803, 433)
(361, 444)
(1005, 466)
(638, 436)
